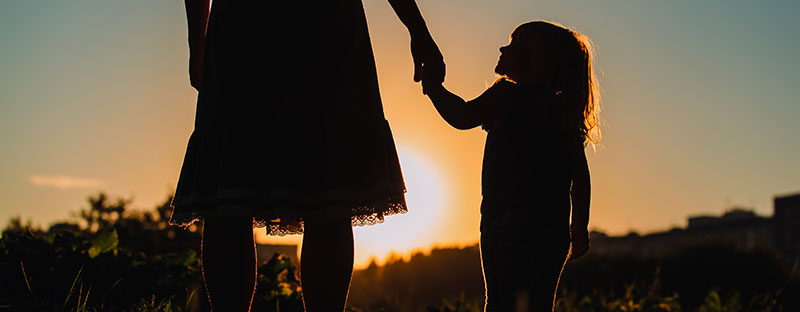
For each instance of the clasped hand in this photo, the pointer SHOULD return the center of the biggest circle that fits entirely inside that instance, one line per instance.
(428, 62)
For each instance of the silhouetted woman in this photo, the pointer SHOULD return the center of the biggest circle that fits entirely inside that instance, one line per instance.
(538, 116)
(289, 134)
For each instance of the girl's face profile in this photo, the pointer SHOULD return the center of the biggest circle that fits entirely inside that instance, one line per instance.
(514, 60)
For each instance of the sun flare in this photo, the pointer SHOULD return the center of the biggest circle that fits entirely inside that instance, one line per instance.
(416, 229)
(399, 234)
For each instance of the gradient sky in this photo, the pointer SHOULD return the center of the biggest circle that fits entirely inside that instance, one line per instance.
(700, 108)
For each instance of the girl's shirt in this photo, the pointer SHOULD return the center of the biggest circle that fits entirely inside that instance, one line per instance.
(529, 154)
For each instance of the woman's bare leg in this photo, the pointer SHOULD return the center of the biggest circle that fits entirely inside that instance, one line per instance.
(229, 263)
(326, 263)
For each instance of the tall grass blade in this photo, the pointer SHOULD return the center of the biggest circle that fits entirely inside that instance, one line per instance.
(189, 299)
(72, 288)
(25, 275)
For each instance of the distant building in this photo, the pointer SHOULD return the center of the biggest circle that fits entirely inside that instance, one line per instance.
(738, 228)
(787, 223)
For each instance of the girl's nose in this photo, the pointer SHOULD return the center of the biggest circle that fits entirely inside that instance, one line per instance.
(503, 48)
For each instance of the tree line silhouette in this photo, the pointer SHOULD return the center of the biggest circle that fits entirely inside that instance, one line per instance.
(113, 258)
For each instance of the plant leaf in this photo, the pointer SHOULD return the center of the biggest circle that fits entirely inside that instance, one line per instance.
(105, 242)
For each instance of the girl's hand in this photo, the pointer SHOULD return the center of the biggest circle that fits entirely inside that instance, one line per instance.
(432, 77)
(580, 242)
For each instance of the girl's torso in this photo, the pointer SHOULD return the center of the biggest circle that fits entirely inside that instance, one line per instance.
(528, 155)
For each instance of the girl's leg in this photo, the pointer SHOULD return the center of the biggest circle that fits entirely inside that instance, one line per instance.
(499, 271)
(229, 263)
(546, 268)
(326, 263)
(522, 259)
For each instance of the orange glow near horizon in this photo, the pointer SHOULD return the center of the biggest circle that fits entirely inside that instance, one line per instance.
(426, 198)
(404, 234)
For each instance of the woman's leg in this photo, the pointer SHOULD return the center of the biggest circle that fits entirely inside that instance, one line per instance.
(326, 263)
(229, 263)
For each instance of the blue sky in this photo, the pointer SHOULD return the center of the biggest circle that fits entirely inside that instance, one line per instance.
(700, 107)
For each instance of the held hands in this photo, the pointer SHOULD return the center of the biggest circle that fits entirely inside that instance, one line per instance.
(580, 241)
(432, 77)
(428, 62)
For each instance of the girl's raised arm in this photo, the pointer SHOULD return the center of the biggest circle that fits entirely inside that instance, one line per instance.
(197, 20)
(470, 114)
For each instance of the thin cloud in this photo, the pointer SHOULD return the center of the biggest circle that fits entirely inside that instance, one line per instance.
(63, 182)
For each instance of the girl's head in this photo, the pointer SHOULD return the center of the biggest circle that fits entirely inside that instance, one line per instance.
(559, 60)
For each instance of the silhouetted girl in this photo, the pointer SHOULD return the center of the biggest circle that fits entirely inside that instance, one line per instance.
(539, 115)
(289, 134)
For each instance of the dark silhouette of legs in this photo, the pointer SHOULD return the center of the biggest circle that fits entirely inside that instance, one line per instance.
(521, 278)
(229, 263)
(499, 274)
(326, 263)
(522, 258)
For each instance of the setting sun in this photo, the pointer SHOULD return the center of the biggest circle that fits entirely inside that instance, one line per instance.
(425, 197)
(692, 190)
(400, 234)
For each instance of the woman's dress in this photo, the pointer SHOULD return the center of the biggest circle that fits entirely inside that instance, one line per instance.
(289, 120)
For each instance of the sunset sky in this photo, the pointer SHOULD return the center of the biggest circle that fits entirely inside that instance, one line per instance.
(700, 108)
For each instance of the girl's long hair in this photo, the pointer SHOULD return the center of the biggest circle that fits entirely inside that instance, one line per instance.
(564, 58)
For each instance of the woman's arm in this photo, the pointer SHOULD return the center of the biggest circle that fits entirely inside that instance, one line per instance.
(581, 195)
(197, 20)
(424, 50)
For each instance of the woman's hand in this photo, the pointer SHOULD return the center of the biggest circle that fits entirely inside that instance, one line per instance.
(423, 49)
(432, 75)
(580, 242)
(427, 57)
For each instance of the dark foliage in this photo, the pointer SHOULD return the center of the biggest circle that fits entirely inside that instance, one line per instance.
(696, 278)
(113, 259)
(755, 279)
(444, 278)
(278, 286)
(73, 271)
(119, 260)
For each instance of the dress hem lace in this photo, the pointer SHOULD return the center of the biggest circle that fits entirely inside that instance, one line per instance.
(283, 219)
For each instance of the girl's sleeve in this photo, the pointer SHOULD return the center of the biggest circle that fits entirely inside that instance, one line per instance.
(489, 108)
